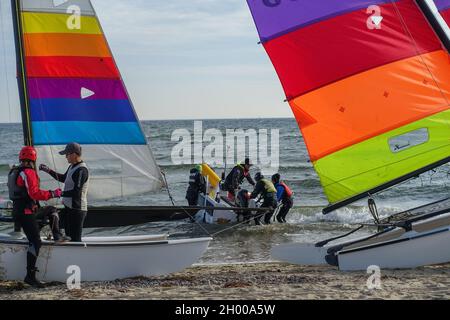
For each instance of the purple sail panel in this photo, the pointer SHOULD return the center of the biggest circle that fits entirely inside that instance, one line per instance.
(93, 89)
(277, 17)
(442, 4)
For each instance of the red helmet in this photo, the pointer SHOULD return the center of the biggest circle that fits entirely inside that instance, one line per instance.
(28, 153)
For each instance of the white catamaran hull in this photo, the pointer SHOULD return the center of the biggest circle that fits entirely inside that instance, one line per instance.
(426, 244)
(413, 251)
(102, 261)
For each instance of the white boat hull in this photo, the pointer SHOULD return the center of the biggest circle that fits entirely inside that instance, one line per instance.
(426, 244)
(411, 251)
(102, 261)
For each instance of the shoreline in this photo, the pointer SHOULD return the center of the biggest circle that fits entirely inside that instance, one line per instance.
(258, 281)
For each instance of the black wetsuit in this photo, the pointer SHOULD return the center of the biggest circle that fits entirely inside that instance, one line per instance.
(267, 190)
(197, 184)
(284, 195)
(235, 178)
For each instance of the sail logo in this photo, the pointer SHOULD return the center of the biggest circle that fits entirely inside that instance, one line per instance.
(220, 149)
(374, 21)
(86, 93)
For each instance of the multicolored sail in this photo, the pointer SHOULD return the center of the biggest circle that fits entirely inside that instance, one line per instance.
(369, 84)
(74, 92)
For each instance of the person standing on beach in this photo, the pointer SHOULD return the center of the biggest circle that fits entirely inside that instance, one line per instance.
(76, 184)
(25, 192)
(197, 185)
(267, 191)
(236, 177)
(284, 196)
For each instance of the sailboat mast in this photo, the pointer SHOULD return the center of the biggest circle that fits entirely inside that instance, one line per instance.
(21, 78)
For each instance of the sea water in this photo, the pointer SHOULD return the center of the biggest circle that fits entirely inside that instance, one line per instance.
(249, 243)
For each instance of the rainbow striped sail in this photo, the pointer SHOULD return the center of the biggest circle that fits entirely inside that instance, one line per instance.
(73, 91)
(369, 84)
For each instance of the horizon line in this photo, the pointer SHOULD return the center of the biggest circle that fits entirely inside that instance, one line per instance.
(190, 119)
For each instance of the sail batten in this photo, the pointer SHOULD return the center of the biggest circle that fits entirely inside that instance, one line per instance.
(368, 85)
(75, 93)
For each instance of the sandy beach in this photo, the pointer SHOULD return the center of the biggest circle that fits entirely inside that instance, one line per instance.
(267, 281)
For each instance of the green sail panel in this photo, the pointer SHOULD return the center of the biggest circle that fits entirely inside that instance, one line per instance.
(385, 158)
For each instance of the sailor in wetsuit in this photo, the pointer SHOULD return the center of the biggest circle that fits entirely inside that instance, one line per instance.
(267, 191)
(236, 177)
(24, 191)
(197, 185)
(76, 184)
(284, 196)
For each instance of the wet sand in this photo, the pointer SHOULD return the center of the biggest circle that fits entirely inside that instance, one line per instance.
(268, 281)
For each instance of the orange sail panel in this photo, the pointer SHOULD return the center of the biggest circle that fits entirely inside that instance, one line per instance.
(369, 84)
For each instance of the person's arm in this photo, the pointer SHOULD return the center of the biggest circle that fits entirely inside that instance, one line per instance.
(258, 189)
(80, 177)
(57, 176)
(250, 179)
(31, 181)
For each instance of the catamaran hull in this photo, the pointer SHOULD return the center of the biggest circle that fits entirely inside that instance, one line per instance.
(406, 253)
(102, 261)
(426, 244)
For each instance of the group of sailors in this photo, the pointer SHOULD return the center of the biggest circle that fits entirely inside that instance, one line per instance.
(274, 194)
(29, 216)
(25, 192)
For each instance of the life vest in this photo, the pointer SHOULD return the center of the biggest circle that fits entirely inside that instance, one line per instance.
(69, 185)
(287, 190)
(268, 185)
(22, 203)
(16, 193)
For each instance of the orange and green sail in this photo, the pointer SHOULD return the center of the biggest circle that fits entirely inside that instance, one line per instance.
(369, 85)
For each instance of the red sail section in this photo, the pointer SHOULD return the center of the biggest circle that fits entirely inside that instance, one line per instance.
(446, 15)
(72, 67)
(325, 52)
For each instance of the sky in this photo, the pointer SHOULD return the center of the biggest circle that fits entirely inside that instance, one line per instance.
(196, 59)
